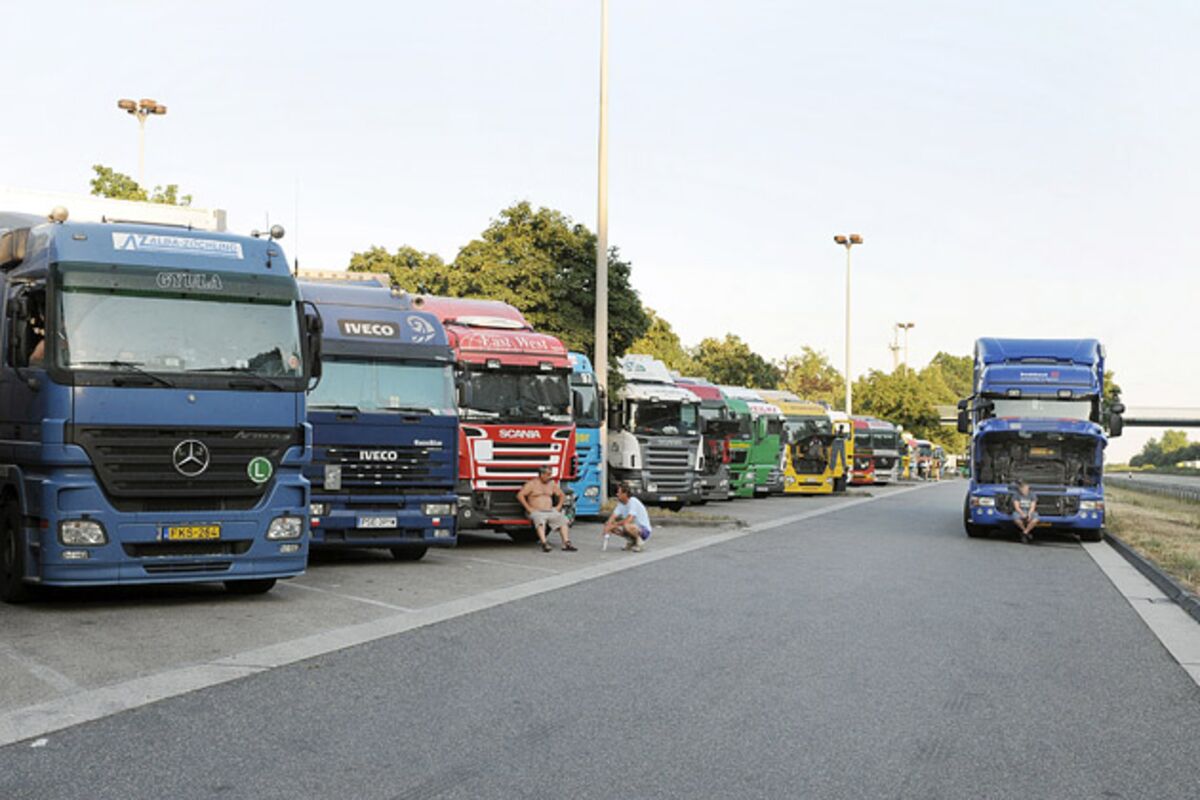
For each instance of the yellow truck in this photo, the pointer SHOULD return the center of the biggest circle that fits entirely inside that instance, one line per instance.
(814, 457)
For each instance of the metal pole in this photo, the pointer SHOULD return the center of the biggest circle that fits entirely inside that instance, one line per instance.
(848, 398)
(907, 328)
(141, 150)
(601, 332)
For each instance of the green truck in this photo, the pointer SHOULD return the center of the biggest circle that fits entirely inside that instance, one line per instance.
(758, 472)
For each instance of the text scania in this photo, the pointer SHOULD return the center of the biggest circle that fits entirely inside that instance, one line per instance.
(377, 330)
(519, 433)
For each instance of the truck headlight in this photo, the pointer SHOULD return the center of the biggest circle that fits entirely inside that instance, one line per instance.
(651, 487)
(437, 509)
(76, 532)
(318, 509)
(591, 491)
(1091, 505)
(285, 528)
(986, 502)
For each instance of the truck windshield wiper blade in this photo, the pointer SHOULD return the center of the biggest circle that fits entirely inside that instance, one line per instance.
(133, 366)
(247, 371)
(410, 409)
(334, 407)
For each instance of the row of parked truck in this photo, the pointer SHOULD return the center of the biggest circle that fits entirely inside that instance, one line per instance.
(177, 405)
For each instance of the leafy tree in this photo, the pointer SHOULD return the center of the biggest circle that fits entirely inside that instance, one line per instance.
(958, 373)
(540, 261)
(811, 376)
(1173, 441)
(1110, 395)
(661, 341)
(731, 361)
(119, 186)
(902, 397)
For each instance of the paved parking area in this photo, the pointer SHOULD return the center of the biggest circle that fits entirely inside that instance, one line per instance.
(72, 642)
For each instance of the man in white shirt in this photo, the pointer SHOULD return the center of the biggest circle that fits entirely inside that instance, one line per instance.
(630, 519)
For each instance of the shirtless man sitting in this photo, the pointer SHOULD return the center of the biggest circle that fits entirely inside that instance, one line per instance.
(543, 500)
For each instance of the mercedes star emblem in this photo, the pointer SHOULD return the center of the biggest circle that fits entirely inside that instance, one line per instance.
(190, 458)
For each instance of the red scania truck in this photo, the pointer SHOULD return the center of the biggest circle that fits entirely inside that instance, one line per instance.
(514, 408)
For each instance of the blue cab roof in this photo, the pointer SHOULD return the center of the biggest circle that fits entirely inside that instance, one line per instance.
(580, 364)
(148, 245)
(366, 318)
(1086, 352)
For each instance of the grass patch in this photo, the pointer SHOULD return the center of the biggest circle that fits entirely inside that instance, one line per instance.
(1163, 529)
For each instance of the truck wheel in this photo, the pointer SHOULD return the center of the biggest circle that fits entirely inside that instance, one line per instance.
(256, 586)
(522, 535)
(13, 588)
(409, 553)
(675, 507)
(1096, 535)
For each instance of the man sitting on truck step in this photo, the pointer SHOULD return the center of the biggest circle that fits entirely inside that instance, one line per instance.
(543, 499)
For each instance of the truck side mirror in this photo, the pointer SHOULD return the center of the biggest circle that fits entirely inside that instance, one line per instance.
(314, 329)
(1116, 423)
(603, 403)
(466, 393)
(576, 405)
(964, 420)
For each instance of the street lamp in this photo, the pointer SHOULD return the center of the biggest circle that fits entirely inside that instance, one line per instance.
(906, 327)
(141, 109)
(848, 242)
(600, 350)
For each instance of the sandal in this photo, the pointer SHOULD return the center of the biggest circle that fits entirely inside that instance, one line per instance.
(570, 548)
(546, 548)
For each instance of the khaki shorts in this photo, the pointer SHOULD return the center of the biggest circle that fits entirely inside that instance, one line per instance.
(555, 519)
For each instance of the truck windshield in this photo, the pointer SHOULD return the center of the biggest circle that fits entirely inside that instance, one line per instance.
(1042, 408)
(112, 331)
(373, 385)
(518, 395)
(862, 442)
(800, 428)
(666, 419)
(587, 404)
(884, 441)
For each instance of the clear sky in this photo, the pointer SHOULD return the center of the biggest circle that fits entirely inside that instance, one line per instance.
(1025, 169)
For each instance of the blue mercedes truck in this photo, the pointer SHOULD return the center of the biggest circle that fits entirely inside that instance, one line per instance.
(152, 425)
(385, 428)
(1035, 416)
(588, 408)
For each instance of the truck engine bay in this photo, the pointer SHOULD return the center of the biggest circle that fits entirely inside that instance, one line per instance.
(1040, 459)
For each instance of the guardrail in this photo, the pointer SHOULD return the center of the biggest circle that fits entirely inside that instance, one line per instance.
(1186, 493)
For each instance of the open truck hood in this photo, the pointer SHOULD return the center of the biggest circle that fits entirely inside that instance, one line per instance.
(1043, 452)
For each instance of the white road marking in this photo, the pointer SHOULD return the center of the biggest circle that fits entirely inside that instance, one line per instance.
(93, 704)
(1173, 626)
(357, 599)
(46, 675)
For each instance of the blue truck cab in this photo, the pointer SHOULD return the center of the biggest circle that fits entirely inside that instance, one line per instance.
(385, 429)
(1035, 416)
(152, 423)
(588, 408)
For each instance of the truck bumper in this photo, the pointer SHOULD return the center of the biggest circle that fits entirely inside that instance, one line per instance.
(350, 526)
(647, 489)
(807, 484)
(137, 550)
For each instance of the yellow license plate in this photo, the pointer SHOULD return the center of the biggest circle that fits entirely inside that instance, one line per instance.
(191, 533)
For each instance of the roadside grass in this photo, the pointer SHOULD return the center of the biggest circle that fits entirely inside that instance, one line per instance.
(1163, 529)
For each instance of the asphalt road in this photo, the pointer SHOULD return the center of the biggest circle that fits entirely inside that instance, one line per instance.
(871, 652)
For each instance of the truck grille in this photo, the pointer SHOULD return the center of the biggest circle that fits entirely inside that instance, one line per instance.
(884, 462)
(1048, 505)
(415, 468)
(513, 463)
(668, 467)
(136, 466)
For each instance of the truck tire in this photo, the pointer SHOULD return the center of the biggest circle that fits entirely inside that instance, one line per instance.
(973, 530)
(409, 552)
(254, 586)
(13, 588)
(674, 507)
(1092, 536)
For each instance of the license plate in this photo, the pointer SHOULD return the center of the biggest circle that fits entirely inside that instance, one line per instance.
(191, 533)
(376, 522)
(668, 498)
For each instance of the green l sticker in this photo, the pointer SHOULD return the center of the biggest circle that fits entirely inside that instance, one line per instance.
(259, 469)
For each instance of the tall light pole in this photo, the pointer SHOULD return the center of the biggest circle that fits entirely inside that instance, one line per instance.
(906, 327)
(141, 109)
(848, 242)
(600, 351)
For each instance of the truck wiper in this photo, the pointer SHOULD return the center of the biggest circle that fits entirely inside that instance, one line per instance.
(132, 366)
(247, 371)
(334, 407)
(410, 409)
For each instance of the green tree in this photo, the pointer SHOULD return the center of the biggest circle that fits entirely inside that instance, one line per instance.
(119, 186)
(540, 261)
(661, 341)
(1172, 442)
(731, 361)
(901, 397)
(958, 373)
(811, 376)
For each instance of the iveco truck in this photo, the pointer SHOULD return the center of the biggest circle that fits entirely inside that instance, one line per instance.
(385, 431)
(1035, 416)
(152, 401)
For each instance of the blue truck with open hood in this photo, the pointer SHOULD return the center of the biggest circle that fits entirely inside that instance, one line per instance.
(1035, 416)
(385, 429)
(152, 424)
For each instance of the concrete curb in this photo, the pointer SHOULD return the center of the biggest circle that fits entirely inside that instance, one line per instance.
(1153, 573)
